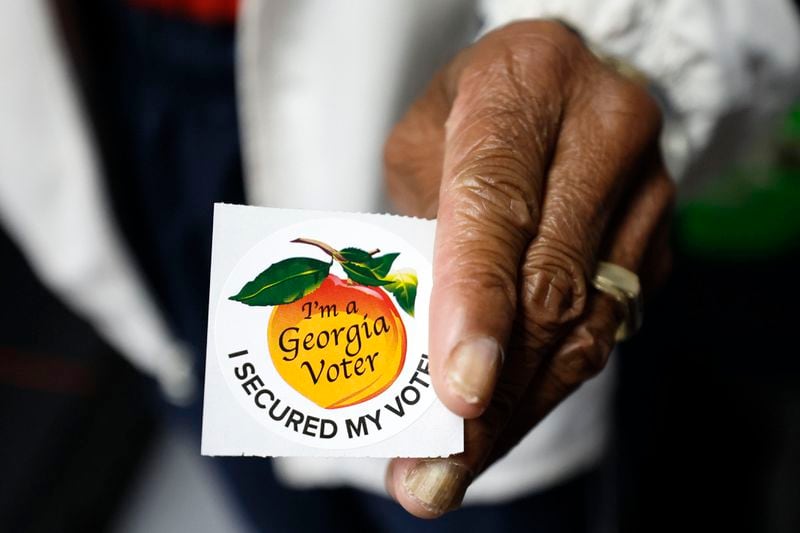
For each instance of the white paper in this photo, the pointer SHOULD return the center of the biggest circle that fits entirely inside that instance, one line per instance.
(340, 371)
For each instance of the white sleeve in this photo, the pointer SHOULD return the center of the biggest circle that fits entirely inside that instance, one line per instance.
(722, 69)
(53, 205)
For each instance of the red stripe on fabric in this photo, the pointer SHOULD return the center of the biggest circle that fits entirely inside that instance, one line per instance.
(204, 11)
(45, 373)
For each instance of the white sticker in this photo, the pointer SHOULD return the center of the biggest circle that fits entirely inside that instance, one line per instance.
(318, 332)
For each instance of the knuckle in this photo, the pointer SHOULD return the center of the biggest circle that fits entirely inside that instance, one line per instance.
(554, 288)
(563, 33)
(394, 151)
(505, 77)
(408, 150)
(541, 40)
(582, 359)
(630, 109)
(557, 387)
(550, 27)
(489, 191)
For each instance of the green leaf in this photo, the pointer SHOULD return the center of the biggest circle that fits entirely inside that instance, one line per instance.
(362, 268)
(355, 254)
(403, 286)
(284, 282)
(383, 264)
(363, 274)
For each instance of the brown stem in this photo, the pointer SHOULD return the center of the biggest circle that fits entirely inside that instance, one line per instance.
(375, 251)
(322, 246)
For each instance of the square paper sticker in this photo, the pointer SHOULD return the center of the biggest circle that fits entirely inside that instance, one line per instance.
(318, 335)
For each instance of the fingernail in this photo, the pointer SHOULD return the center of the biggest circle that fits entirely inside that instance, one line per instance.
(437, 485)
(473, 368)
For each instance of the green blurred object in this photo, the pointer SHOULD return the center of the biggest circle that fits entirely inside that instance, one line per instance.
(751, 212)
(791, 126)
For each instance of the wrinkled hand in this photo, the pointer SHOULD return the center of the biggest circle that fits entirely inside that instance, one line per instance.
(538, 161)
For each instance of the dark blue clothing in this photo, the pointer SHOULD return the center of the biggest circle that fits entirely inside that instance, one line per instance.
(164, 103)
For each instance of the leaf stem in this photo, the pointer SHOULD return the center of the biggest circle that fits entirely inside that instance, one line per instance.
(322, 246)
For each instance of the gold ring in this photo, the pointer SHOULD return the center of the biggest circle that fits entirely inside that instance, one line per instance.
(622, 285)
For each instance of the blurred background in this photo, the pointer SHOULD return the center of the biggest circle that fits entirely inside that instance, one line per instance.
(708, 413)
(707, 420)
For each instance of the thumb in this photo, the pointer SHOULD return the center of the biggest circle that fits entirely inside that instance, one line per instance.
(488, 212)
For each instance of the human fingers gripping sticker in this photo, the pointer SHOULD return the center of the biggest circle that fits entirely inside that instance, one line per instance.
(320, 333)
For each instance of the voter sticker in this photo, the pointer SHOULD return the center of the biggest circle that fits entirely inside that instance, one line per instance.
(318, 333)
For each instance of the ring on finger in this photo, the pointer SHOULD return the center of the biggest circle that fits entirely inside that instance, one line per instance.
(622, 285)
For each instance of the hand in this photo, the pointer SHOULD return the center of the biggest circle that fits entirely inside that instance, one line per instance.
(539, 160)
